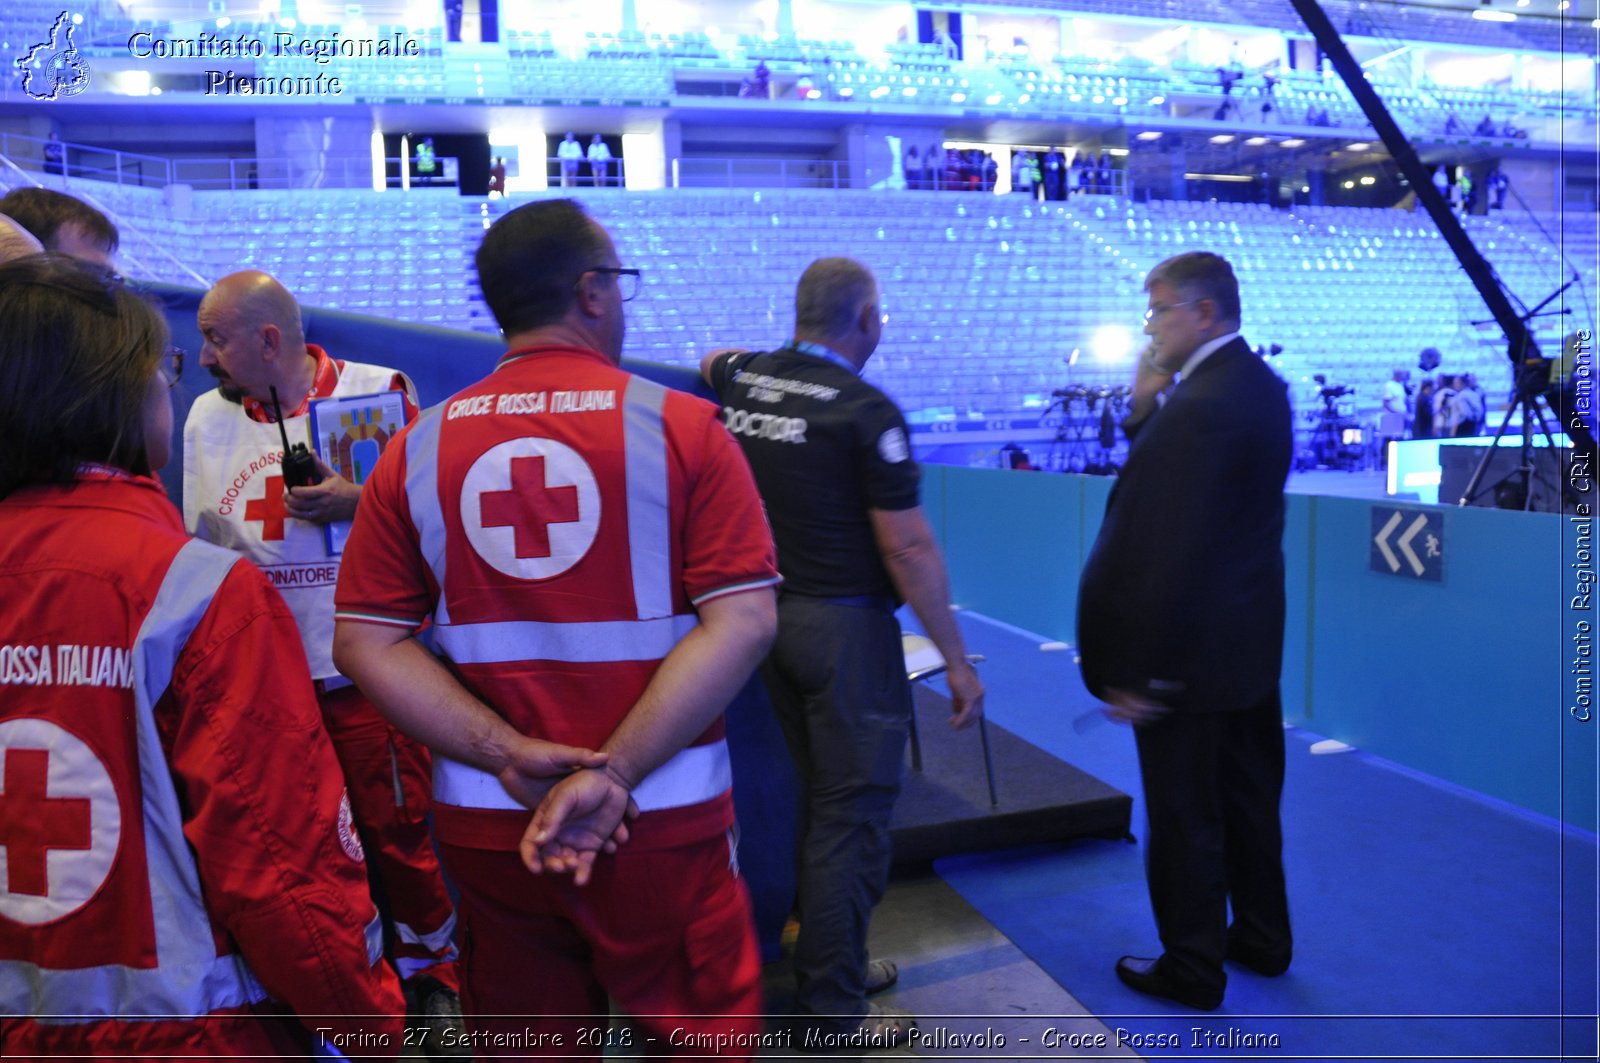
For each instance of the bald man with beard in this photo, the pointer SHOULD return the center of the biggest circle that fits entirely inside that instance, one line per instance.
(234, 495)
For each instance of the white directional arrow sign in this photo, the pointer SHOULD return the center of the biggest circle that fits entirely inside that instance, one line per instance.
(1383, 542)
(1405, 543)
(1408, 542)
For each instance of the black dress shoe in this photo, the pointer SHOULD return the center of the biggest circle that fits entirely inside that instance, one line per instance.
(1270, 964)
(1147, 977)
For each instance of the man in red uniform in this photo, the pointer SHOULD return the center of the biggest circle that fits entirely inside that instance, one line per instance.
(176, 857)
(234, 495)
(592, 553)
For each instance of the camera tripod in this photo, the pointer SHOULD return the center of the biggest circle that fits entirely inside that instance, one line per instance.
(1515, 490)
(1084, 443)
(1327, 438)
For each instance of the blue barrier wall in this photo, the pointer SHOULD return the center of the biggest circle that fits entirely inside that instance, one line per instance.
(1470, 678)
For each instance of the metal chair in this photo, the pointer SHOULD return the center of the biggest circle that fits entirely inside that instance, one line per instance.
(923, 662)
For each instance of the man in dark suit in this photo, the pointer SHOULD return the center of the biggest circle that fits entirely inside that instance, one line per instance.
(1180, 631)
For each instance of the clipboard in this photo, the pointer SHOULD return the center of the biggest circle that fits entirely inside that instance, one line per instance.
(350, 432)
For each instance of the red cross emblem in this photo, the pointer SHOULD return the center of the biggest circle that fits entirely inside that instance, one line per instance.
(32, 823)
(60, 821)
(530, 507)
(269, 509)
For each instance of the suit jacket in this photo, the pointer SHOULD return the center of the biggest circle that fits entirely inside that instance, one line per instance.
(1182, 596)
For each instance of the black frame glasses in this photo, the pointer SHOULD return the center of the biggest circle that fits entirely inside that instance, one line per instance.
(628, 289)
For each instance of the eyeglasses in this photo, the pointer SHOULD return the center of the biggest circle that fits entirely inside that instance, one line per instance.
(627, 280)
(1156, 311)
(172, 365)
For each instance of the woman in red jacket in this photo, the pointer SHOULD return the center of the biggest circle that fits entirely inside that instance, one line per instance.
(180, 873)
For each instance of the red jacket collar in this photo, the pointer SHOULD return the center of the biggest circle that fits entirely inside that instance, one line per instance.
(323, 382)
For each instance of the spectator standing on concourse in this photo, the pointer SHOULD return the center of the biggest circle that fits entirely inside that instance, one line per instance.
(1055, 175)
(833, 462)
(1022, 172)
(182, 874)
(591, 551)
(570, 153)
(599, 161)
(55, 154)
(1180, 630)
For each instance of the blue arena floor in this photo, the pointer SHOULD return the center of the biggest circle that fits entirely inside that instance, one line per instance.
(1430, 921)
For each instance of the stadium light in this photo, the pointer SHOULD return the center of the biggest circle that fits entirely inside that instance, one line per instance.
(1484, 14)
(1111, 344)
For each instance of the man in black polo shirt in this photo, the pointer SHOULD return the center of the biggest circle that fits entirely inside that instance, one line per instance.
(833, 463)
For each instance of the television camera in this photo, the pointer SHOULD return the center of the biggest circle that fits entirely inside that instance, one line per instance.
(1088, 411)
(1336, 440)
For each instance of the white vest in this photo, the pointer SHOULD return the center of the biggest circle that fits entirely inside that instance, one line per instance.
(233, 496)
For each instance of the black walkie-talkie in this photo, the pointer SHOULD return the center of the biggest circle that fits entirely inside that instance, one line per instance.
(299, 467)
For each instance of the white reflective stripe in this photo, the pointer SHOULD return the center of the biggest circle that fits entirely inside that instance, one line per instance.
(375, 939)
(90, 994)
(422, 494)
(649, 506)
(182, 927)
(514, 641)
(695, 774)
(410, 968)
(190, 978)
(436, 941)
(455, 783)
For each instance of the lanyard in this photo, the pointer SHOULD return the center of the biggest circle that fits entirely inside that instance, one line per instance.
(817, 350)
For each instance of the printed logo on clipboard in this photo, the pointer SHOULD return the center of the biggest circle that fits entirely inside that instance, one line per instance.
(349, 433)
